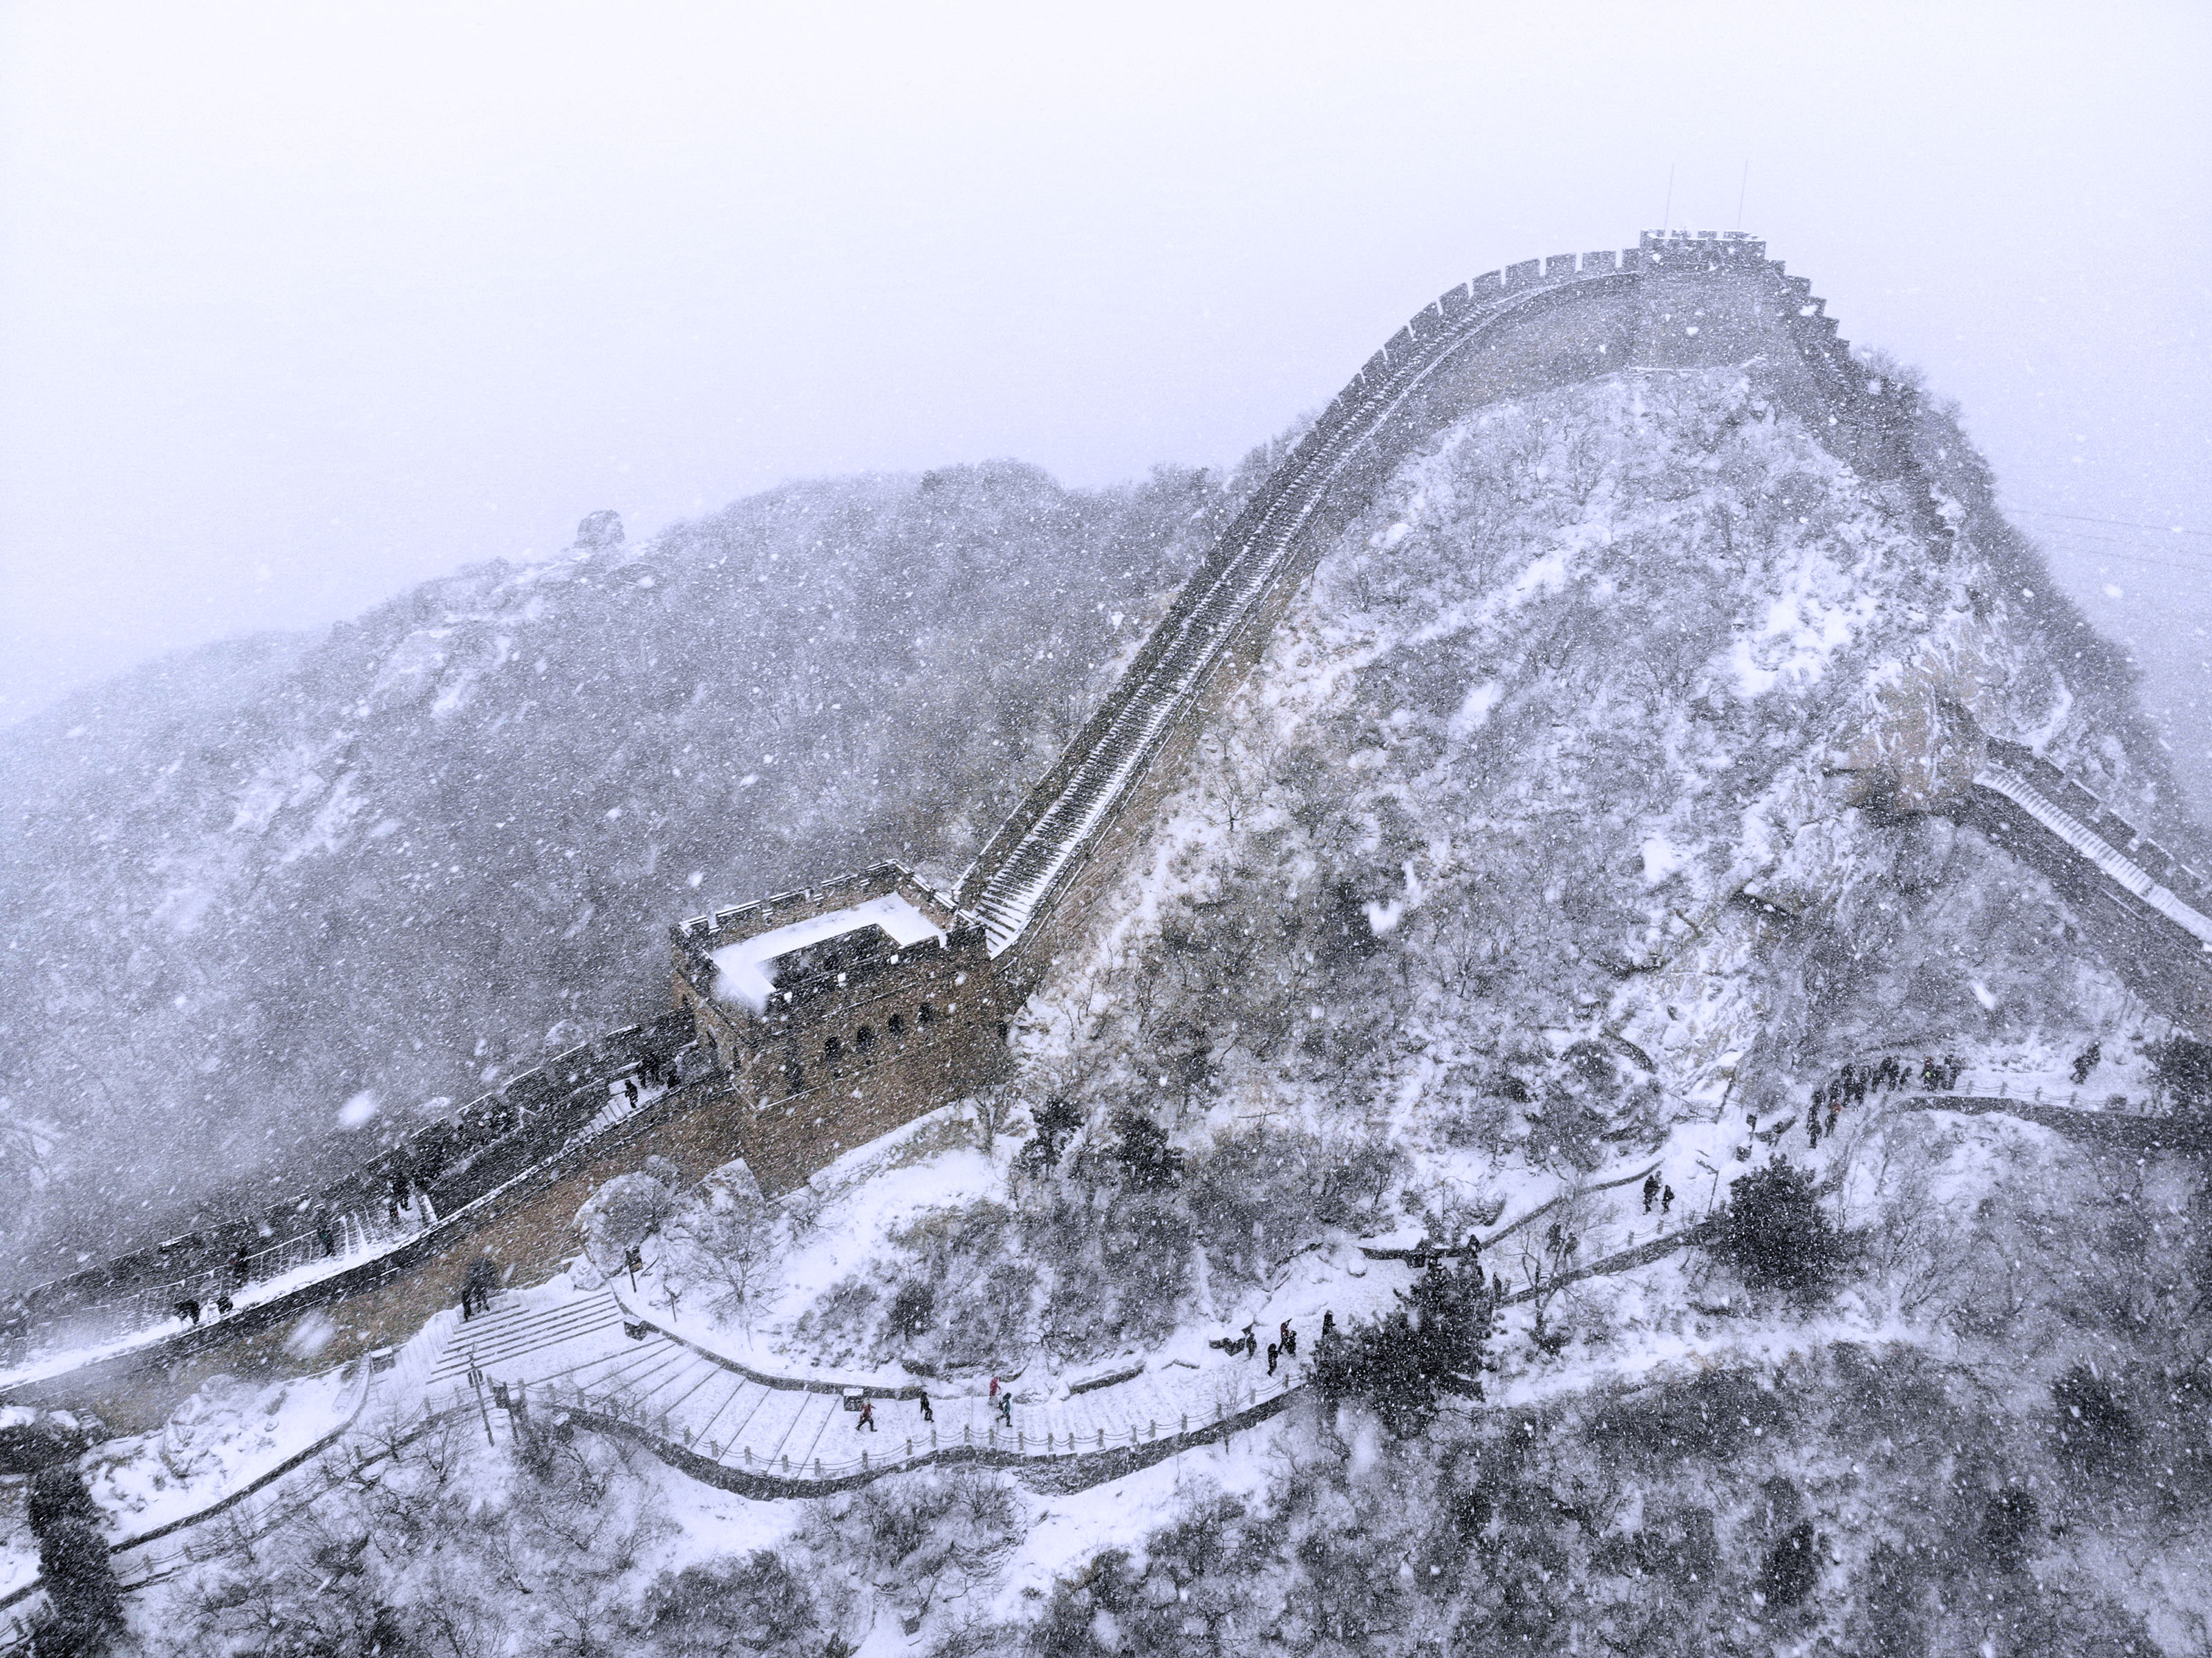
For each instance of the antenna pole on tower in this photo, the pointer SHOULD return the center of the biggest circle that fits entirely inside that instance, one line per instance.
(1667, 213)
(1741, 190)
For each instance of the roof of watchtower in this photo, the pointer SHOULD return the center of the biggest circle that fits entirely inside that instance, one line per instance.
(743, 970)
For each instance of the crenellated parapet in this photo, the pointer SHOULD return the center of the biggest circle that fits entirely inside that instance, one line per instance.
(433, 1171)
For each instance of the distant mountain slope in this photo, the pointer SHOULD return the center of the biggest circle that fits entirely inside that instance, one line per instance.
(242, 885)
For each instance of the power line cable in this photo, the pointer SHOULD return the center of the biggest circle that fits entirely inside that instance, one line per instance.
(2138, 558)
(2115, 541)
(2076, 537)
(2123, 523)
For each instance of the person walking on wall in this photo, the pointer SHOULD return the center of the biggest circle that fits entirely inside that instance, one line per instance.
(1290, 1340)
(1273, 1350)
(1650, 1191)
(927, 1415)
(994, 1391)
(868, 1418)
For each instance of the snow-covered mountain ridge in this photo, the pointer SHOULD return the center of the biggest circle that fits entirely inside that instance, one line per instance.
(1593, 725)
(1594, 803)
(245, 887)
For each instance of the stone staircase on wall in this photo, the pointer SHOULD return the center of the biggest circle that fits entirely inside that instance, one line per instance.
(2151, 913)
(2129, 860)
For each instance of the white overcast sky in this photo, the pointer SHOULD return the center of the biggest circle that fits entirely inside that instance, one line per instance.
(301, 304)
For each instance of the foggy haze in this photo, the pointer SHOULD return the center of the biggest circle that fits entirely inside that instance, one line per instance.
(300, 308)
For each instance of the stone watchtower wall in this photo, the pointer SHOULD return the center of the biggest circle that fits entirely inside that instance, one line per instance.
(841, 1057)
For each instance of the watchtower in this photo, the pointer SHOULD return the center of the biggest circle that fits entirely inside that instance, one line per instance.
(841, 1012)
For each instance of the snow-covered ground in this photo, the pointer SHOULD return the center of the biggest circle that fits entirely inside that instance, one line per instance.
(224, 1437)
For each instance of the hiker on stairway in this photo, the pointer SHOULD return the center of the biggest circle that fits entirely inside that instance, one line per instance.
(1290, 1340)
(1273, 1352)
(1006, 1409)
(927, 1415)
(868, 1418)
(476, 1287)
(1650, 1191)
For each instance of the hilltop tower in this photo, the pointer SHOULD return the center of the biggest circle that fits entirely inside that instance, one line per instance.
(839, 1013)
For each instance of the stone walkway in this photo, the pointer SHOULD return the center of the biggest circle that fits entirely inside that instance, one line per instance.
(560, 1350)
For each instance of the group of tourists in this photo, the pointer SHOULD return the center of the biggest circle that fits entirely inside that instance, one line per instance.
(236, 1275)
(1852, 1084)
(1002, 1401)
(1284, 1346)
(1000, 1397)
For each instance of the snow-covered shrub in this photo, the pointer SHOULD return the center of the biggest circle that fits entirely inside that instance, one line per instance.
(2011, 1525)
(1191, 1589)
(723, 1240)
(85, 1606)
(2093, 1426)
(620, 1216)
(1257, 1196)
(1774, 1234)
(1144, 1158)
(430, 1543)
(753, 1603)
(31, 1439)
(2184, 1067)
(1792, 1568)
(915, 1535)
(1401, 1364)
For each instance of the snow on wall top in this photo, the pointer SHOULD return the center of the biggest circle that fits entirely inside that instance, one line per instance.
(742, 971)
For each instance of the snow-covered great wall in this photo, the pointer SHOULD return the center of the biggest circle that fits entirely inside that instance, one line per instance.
(1677, 302)
(1673, 302)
